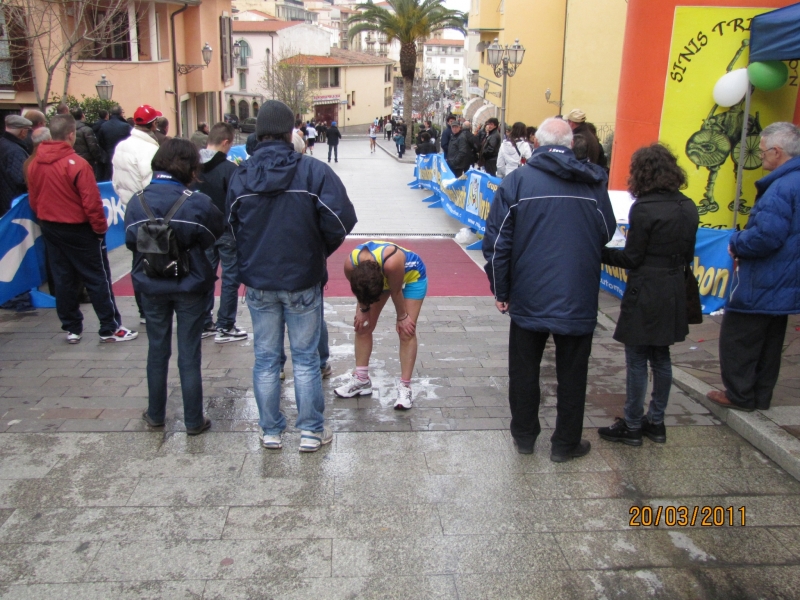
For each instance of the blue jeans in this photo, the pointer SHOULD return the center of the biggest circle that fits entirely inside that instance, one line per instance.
(158, 309)
(636, 359)
(323, 348)
(300, 313)
(224, 250)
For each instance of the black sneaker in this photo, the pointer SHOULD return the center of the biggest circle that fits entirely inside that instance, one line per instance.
(657, 433)
(620, 432)
(524, 447)
(582, 449)
(208, 331)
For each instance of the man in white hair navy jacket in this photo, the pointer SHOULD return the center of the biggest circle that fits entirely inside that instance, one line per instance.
(548, 223)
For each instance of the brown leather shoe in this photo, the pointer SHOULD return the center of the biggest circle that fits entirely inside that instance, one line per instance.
(721, 398)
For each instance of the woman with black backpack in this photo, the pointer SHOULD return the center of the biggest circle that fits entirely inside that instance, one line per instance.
(168, 228)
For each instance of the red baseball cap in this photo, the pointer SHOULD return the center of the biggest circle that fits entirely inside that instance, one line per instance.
(145, 114)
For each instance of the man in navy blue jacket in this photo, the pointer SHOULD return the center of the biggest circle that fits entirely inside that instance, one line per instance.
(288, 213)
(765, 288)
(548, 223)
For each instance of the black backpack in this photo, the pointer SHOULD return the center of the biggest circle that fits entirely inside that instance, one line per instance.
(158, 244)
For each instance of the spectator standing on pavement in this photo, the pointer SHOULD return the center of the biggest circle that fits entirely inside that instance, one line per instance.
(111, 134)
(322, 130)
(41, 135)
(13, 155)
(200, 137)
(287, 215)
(426, 145)
(161, 130)
(102, 117)
(214, 181)
(474, 147)
(86, 145)
(543, 264)
(38, 120)
(514, 152)
(132, 164)
(311, 132)
(765, 288)
(577, 121)
(490, 146)
(387, 128)
(459, 150)
(334, 135)
(196, 224)
(378, 271)
(65, 198)
(447, 134)
(400, 142)
(659, 250)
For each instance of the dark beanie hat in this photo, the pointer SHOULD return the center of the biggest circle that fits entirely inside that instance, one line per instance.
(274, 118)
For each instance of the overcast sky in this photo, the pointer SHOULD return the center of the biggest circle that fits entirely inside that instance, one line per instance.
(458, 4)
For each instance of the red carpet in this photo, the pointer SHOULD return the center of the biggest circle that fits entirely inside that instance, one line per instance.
(450, 271)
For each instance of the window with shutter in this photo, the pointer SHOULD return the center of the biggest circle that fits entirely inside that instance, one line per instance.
(226, 47)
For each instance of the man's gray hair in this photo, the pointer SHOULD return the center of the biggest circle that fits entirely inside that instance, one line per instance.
(61, 126)
(782, 135)
(41, 135)
(554, 132)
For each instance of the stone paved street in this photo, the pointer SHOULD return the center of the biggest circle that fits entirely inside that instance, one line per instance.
(429, 503)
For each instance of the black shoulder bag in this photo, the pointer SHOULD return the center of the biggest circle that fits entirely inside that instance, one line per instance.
(157, 242)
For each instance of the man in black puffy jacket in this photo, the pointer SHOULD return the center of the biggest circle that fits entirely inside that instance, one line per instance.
(288, 213)
(548, 223)
(459, 150)
(86, 145)
(214, 180)
(490, 146)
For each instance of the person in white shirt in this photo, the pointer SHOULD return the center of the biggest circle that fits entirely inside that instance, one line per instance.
(514, 151)
(298, 141)
(311, 132)
(373, 134)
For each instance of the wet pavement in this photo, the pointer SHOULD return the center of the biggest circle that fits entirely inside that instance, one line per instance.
(429, 503)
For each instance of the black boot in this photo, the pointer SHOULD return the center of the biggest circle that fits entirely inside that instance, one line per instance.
(657, 433)
(619, 432)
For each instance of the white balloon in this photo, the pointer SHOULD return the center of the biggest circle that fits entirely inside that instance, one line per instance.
(731, 88)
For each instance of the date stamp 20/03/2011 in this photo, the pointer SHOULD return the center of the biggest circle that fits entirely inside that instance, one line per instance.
(686, 516)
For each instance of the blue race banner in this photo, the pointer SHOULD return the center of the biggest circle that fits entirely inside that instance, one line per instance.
(115, 215)
(22, 250)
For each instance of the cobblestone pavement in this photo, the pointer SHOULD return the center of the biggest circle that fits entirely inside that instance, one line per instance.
(429, 503)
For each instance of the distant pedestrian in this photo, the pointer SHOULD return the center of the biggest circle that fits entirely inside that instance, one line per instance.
(388, 129)
(86, 145)
(298, 139)
(13, 154)
(373, 137)
(378, 271)
(65, 198)
(399, 142)
(659, 250)
(577, 121)
(161, 131)
(766, 280)
(334, 135)
(196, 224)
(200, 137)
(311, 132)
(543, 265)
(322, 130)
(111, 134)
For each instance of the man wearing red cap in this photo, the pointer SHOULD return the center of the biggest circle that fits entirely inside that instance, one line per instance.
(132, 158)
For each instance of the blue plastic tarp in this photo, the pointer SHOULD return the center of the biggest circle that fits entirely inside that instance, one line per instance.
(776, 35)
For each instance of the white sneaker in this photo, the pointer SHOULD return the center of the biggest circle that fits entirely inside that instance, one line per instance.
(120, 335)
(283, 375)
(403, 401)
(271, 442)
(234, 334)
(73, 338)
(311, 441)
(354, 387)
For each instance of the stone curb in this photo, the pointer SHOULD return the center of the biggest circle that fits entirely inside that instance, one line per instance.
(759, 430)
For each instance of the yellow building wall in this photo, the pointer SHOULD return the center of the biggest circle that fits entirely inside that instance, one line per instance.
(595, 35)
(368, 84)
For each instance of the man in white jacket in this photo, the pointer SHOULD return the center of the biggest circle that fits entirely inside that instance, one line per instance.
(132, 157)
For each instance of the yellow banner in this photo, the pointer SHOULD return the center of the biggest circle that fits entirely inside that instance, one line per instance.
(706, 44)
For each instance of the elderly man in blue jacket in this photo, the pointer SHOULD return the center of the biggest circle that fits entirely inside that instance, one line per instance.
(765, 288)
(548, 223)
(288, 213)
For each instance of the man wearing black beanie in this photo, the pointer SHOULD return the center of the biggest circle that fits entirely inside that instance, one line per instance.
(288, 213)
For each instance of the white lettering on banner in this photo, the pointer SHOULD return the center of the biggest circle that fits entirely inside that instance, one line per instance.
(115, 212)
(10, 263)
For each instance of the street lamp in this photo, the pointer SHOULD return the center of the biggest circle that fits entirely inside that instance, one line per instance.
(300, 85)
(237, 50)
(558, 103)
(104, 88)
(186, 69)
(504, 60)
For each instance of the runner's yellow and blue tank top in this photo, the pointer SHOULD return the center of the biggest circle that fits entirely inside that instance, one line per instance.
(415, 268)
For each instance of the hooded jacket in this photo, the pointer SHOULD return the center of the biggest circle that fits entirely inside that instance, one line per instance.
(547, 225)
(214, 178)
(63, 188)
(197, 225)
(288, 213)
(86, 145)
(12, 180)
(768, 248)
(132, 169)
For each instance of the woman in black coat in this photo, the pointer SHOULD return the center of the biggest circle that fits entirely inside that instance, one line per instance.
(658, 250)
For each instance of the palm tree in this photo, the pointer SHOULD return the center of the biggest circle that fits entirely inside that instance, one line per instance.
(410, 22)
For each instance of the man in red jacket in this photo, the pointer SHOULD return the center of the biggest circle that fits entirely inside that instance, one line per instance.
(65, 198)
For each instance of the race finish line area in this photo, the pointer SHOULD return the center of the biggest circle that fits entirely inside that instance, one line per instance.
(451, 272)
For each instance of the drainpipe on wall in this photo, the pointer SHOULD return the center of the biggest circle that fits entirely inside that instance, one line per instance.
(175, 69)
(564, 54)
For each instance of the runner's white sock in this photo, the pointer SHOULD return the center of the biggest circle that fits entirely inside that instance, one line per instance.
(362, 373)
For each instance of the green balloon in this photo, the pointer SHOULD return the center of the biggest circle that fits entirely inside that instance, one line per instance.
(768, 75)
